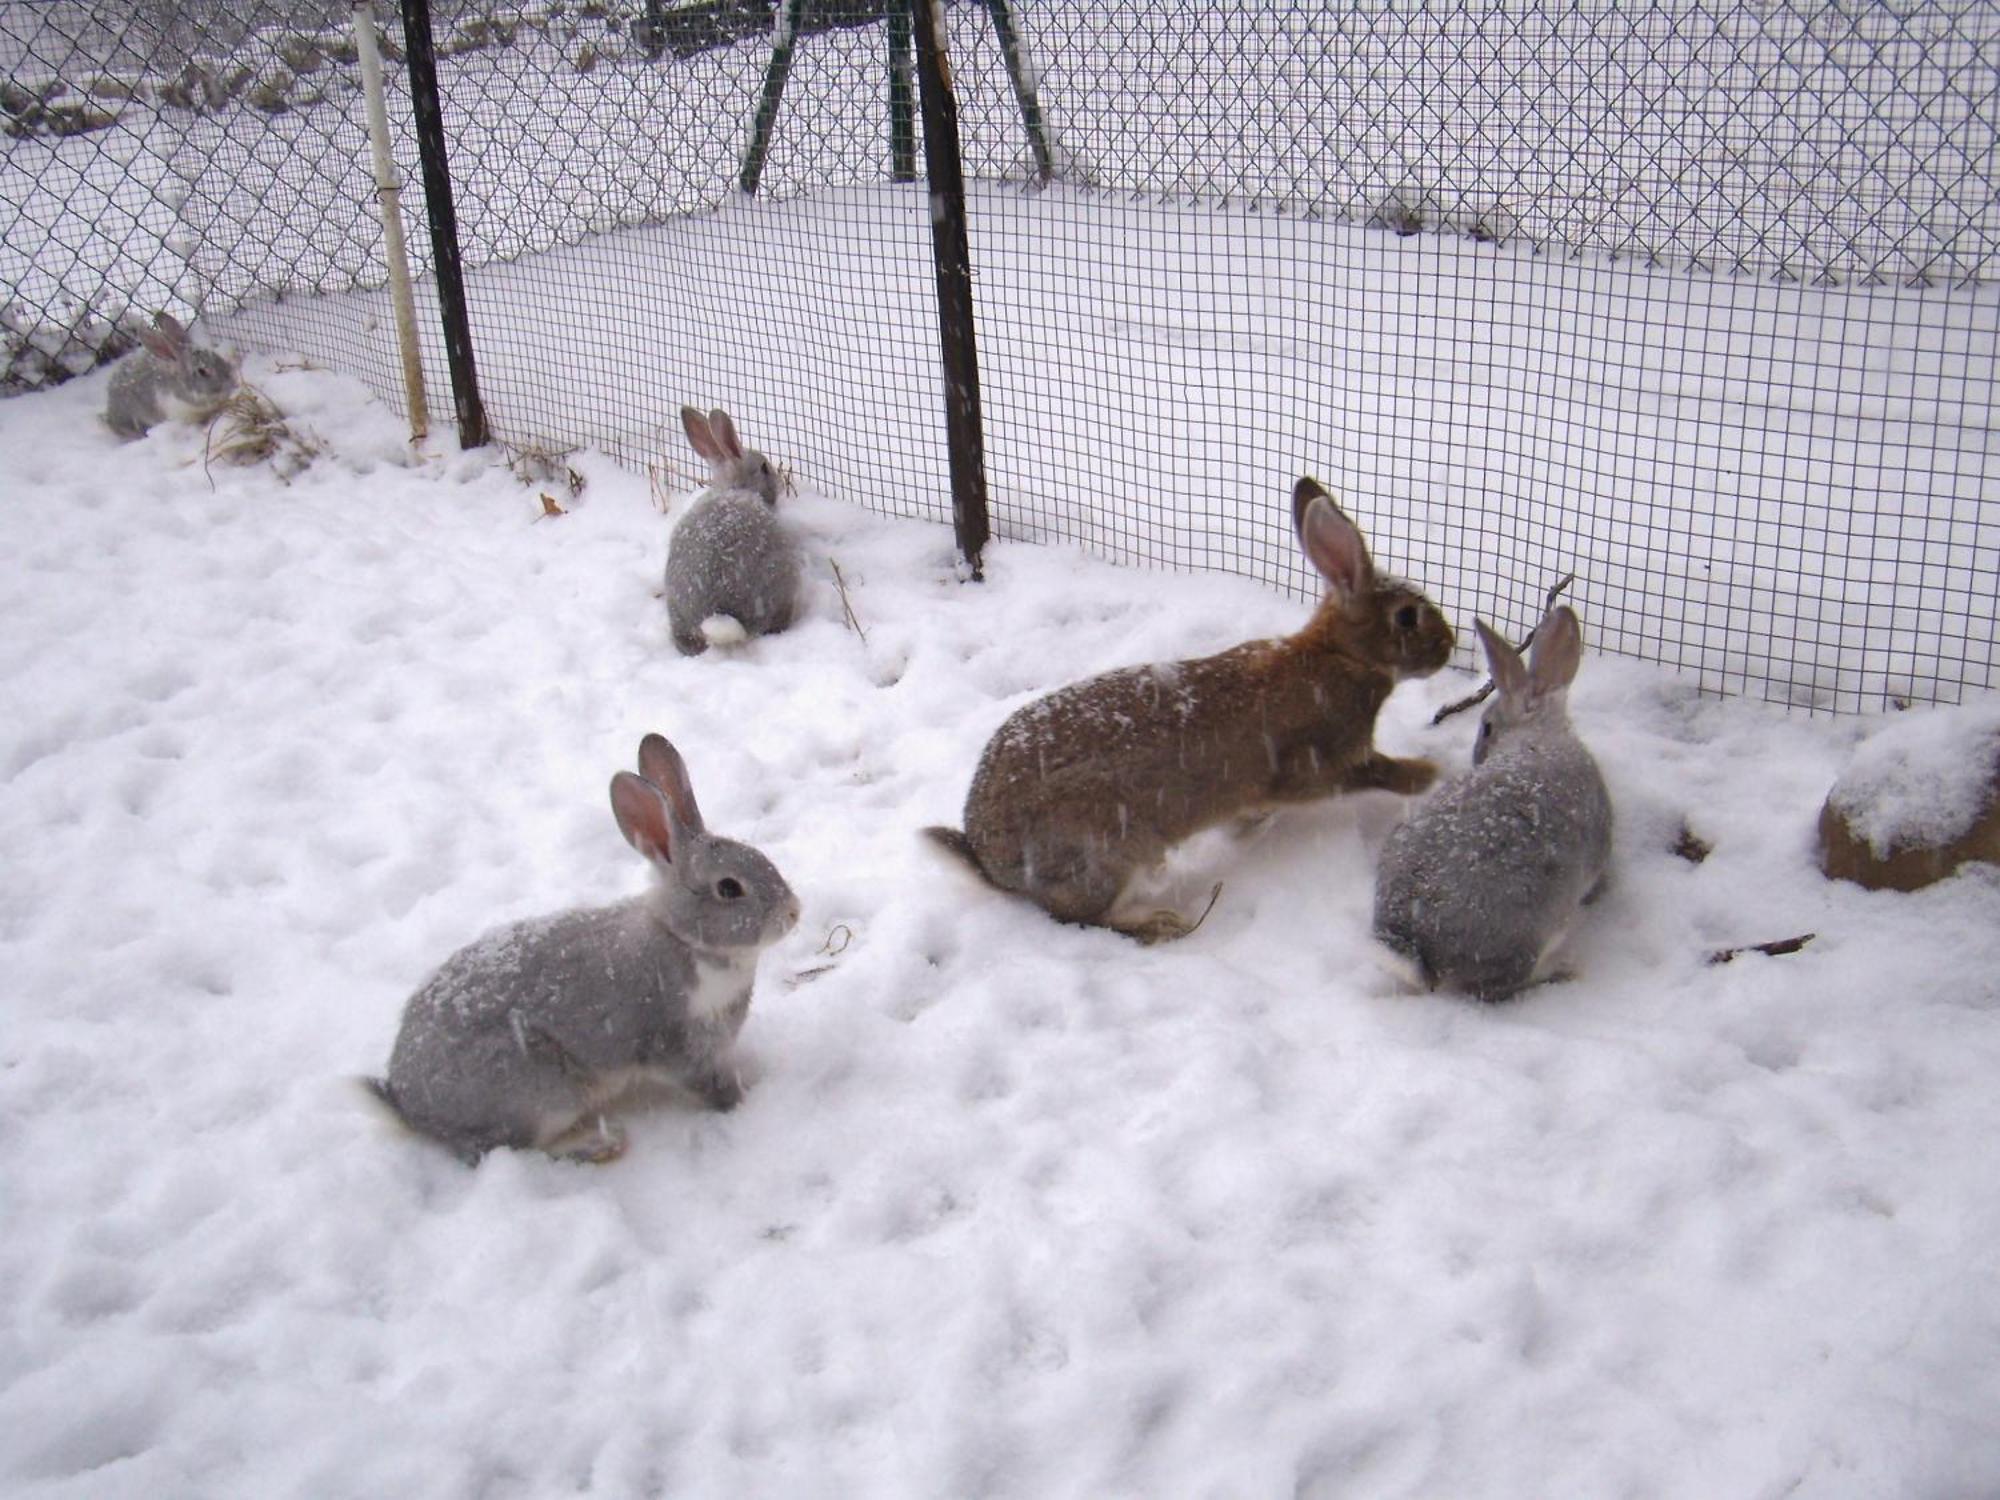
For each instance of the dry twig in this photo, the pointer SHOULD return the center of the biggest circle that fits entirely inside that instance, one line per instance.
(846, 604)
(1774, 949)
(535, 465)
(838, 937)
(1527, 640)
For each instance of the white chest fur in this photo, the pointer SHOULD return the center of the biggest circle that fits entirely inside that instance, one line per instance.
(720, 984)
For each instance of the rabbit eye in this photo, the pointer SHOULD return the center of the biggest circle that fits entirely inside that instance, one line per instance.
(729, 888)
(1406, 617)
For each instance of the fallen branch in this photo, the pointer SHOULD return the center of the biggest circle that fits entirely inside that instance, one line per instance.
(1775, 950)
(1548, 600)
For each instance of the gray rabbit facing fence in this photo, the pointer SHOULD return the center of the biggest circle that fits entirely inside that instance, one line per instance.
(527, 1036)
(168, 377)
(1082, 791)
(733, 565)
(1479, 887)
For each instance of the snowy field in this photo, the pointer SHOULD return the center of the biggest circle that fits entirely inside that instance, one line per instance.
(1010, 1209)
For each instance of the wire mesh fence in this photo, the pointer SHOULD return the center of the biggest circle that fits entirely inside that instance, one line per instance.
(1694, 300)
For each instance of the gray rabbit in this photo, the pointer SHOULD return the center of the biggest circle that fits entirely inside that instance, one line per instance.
(168, 376)
(526, 1037)
(733, 567)
(1483, 881)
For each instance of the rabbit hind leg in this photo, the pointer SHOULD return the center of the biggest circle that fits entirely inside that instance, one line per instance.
(1072, 882)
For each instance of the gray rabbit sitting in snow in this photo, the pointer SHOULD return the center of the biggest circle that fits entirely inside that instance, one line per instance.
(733, 567)
(169, 376)
(1483, 882)
(527, 1035)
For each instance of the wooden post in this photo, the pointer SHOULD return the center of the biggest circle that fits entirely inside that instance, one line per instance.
(422, 61)
(388, 190)
(965, 441)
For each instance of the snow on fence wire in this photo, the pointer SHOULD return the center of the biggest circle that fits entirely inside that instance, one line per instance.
(1695, 300)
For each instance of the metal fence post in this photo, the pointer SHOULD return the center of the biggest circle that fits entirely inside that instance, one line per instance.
(422, 60)
(1025, 88)
(790, 14)
(902, 101)
(965, 441)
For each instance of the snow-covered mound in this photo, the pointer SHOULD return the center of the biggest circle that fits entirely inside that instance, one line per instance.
(1010, 1209)
(1923, 778)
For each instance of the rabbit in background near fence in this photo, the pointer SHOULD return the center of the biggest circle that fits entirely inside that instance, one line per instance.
(1082, 791)
(528, 1035)
(168, 377)
(1479, 887)
(733, 565)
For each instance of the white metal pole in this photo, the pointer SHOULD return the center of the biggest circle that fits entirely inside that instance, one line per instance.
(388, 188)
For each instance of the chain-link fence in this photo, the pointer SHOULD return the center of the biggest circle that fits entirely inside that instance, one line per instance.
(1696, 301)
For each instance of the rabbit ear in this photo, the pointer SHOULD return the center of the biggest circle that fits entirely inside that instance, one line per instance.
(643, 817)
(166, 339)
(1557, 652)
(661, 764)
(699, 437)
(1332, 543)
(1304, 493)
(725, 433)
(1509, 675)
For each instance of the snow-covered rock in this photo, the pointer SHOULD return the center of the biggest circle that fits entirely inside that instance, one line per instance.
(1920, 798)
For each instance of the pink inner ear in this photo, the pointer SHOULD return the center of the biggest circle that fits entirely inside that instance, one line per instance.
(698, 435)
(642, 816)
(1502, 660)
(661, 764)
(1557, 652)
(1333, 545)
(725, 433)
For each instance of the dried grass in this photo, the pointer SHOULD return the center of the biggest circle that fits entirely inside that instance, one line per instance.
(249, 429)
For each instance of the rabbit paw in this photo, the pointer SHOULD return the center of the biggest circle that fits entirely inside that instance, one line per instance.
(1379, 772)
(595, 1139)
(1163, 926)
(721, 1090)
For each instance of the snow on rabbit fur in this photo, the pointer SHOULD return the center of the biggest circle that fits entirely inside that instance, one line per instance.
(1009, 1207)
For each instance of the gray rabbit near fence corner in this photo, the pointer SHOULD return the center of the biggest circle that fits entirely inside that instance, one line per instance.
(168, 377)
(733, 564)
(1479, 887)
(530, 1034)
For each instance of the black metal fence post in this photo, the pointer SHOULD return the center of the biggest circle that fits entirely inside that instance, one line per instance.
(1026, 93)
(791, 13)
(963, 435)
(902, 95)
(651, 31)
(422, 61)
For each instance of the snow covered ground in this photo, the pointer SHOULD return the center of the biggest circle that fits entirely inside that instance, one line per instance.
(1011, 1209)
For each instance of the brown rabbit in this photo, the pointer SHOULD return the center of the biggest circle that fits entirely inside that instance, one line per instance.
(1082, 790)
